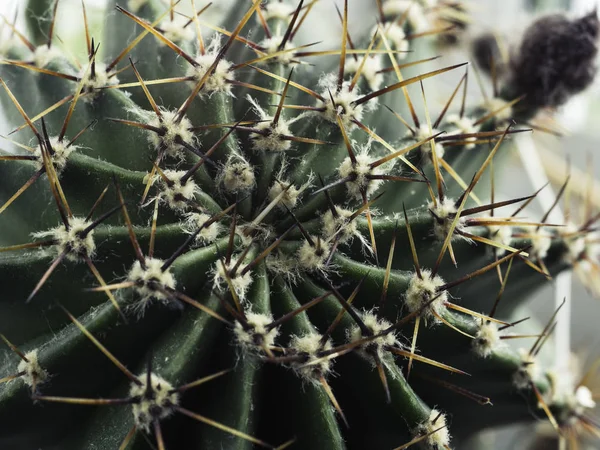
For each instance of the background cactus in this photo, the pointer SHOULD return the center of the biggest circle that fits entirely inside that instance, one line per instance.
(231, 249)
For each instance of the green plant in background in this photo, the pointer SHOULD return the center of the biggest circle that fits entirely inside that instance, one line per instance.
(211, 244)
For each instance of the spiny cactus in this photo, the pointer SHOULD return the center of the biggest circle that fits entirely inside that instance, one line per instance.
(210, 244)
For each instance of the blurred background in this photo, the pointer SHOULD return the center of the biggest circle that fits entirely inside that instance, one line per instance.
(578, 120)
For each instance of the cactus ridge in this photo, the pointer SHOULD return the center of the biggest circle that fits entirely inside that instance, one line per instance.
(208, 244)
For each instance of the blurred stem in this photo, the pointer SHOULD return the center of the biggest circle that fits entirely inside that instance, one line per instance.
(534, 168)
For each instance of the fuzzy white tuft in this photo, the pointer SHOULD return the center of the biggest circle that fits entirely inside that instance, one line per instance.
(487, 339)
(146, 280)
(339, 228)
(421, 290)
(342, 102)
(444, 213)
(541, 241)
(59, 157)
(422, 133)
(435, 440)
(290, 197)
(378, 346)
(313, 258)
(464, 125)
(240, 284)
(370, 70)
(259, 336)
(501, 234)
(175, 194)
(575, 242)
(207, 235)
(100, 80)
(237, 175)
(42, 55)
(359, 171)
(309, 346)
(71, 241)
(396, 37)
(33, 373)
(156, 403)
(273, 138)
(528, 371)
(173, 132)
(175, 31)
(271, 46)
(218, 80)
(278, 10)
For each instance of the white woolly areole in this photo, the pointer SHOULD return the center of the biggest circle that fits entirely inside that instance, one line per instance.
(259, 335)
(591, 253)
(359, 171)
(173, 131)
(370, 70)
(464, 125)
(310, 346)
(575, 242)
(175, 31)
(528, 371)
(101, 79)
(175, 194)
(422, 133)
(378, 345)
(146, 280)
(487, 339)
(396, 37)
(289, 199)
(421, 290)
(584, 397)
(209, 234)
(33, 374)
(272, 140)
(276, 9)
(217, 81)
(444, 213)
(496, 104)
(241, 284)
(42, 55)
(59, 157)
(135, 5)
(271, 46)
(501, 234)
(342, 101)
(541, 241)
(71, 241)
(312, 258)
(340, 227)
(435, 440)
(156, 404)
(237, 175)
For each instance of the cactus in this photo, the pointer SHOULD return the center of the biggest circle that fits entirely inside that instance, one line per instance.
(208, 244)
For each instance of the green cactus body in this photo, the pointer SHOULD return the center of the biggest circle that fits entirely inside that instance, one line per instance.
(257, 241)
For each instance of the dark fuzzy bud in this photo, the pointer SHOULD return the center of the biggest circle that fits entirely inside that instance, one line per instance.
(486, 51)
(554, 62)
